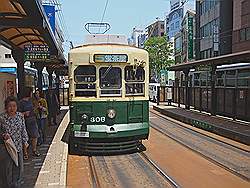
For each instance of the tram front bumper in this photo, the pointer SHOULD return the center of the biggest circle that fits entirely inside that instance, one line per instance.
(114, 131)
(109, 139)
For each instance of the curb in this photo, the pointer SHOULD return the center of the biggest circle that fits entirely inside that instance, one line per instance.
(239, 137)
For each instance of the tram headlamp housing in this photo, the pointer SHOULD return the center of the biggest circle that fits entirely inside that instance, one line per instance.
(84, 117)
(111, 113)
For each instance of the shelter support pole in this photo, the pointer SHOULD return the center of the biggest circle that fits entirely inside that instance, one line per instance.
(213, 91)
(187, 94)
(18, 56)
(177, 85)
(39, 66)
(50, 71)
(57, 88)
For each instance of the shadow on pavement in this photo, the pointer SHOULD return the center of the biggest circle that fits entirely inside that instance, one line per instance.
(33, 165)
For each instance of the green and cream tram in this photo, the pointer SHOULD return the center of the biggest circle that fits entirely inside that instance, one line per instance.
(109, 109)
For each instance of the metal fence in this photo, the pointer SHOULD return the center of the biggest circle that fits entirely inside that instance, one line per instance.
(230, 102)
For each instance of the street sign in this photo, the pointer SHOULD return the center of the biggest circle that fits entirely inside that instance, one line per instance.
(36, 52)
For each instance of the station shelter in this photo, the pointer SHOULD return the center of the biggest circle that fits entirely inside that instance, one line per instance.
(24, 26)
(230, 100)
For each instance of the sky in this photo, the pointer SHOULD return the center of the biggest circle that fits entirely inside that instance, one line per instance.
(123, 16)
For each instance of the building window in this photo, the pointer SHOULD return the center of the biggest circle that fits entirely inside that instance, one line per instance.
(162, 26)
(172, 26)
(242, 35)
(245, 34)
(177, 24)
(248, 33)
(7, 56)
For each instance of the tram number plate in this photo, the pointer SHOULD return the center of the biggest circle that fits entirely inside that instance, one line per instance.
(81, 134)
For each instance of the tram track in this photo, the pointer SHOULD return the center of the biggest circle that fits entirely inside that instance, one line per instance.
(225, 164)
(93, 173)
(199, 132)
(159, 170)
(120, 170)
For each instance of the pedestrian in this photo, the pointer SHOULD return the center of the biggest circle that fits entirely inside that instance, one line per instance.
(53, 106)
(41, 114)
(27, 108)
(14, 127)
(5, 159)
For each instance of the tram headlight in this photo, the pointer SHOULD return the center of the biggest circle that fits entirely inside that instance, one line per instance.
(84, 117)
(111, 113)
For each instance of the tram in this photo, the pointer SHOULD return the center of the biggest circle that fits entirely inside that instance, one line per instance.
(109, 108)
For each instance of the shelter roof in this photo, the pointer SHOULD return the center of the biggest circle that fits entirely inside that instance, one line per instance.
(239, 57)
(23, 23)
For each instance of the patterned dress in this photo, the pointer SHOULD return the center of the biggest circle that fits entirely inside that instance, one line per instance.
(15, 126)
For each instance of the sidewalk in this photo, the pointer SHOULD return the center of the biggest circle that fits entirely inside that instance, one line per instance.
(49, 170)
(227, 128)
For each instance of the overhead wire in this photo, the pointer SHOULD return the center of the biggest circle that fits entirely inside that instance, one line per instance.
(104, 12)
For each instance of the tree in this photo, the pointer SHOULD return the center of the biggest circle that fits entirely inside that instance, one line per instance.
(160, 53)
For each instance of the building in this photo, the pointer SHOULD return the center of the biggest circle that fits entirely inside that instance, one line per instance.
(173, 21)
(184, 40)
(156, 29)
(213, 28)
(241, 25)
(134, 39)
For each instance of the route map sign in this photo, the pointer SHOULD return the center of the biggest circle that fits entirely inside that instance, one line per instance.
(36, 52)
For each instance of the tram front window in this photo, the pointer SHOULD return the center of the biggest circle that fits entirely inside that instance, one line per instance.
(110, 81)
(85, 77)
(135, 81)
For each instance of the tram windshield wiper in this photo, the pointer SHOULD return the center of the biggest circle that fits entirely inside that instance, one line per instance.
(107, 71)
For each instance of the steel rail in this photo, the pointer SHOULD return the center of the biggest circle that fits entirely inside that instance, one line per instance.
(159, 170)
(93, 173)
(185, 127)
(199, 153)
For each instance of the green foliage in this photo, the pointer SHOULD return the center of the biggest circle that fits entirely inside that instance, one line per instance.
(160, 53)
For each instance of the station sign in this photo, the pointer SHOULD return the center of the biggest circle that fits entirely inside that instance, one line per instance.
(36, 52)
(110, 58)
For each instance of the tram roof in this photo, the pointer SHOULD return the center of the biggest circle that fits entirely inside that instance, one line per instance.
(239, 57)
(102, 48)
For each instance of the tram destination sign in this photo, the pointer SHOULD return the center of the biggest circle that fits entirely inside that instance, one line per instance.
(36, 52)
(110, 58)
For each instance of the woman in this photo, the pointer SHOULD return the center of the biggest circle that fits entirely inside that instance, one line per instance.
(5, 160)
(41, 114)
(14, 126)
(27, 109)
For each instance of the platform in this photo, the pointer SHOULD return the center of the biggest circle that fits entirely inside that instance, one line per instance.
(49, 170)
(235, 130)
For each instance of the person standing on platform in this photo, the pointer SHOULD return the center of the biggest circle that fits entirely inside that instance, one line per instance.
(27, 108)
(14, 124)
(53, 106)
(5, 159)
(41, 114)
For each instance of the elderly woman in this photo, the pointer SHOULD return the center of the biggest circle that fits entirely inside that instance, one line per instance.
(5, 159)
(14, 126)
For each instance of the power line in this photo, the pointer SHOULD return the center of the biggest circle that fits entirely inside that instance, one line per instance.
(106, 5)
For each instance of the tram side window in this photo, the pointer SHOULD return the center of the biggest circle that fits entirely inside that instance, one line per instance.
(135, 80)
(244, 78)
(85, 77)
(110, 81)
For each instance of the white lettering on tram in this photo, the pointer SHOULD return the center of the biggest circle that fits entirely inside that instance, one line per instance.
(97, 119)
